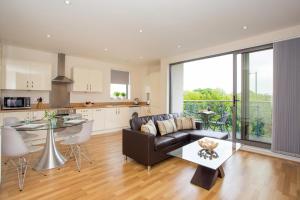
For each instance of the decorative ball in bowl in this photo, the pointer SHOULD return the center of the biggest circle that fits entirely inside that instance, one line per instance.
(207, 144)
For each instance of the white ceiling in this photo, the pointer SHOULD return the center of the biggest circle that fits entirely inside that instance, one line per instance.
(87, 27)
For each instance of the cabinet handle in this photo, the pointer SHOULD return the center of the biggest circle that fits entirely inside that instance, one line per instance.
(32, 84)
(27, 84)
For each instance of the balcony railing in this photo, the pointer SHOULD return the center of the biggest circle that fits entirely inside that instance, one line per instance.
(259, 119)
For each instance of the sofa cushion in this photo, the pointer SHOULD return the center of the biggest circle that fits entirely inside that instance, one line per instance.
(179, 136)
(137, 122)
(149, 128)
(162, 142)
(198, 134)
(166, 126)
(183, 123)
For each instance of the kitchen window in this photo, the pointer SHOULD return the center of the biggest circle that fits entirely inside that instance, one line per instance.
(119, 84)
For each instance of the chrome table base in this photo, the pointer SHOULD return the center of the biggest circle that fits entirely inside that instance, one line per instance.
(51, 157)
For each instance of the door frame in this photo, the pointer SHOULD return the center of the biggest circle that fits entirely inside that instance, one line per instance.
(234, 98)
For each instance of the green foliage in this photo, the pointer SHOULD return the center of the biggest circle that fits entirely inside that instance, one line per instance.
(206, 94)
(123, 94)
(217, 100)
(49, 115)
(117, 94)
(258, 127)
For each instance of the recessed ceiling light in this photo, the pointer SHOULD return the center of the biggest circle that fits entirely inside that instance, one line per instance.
(245, 27)
(179, 46)
(48, 36)
(141, 30)
(67, 2)
(106, 49)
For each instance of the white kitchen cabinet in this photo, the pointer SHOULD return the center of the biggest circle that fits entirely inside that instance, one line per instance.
(123, 116)
(86, 113)
(110, 118)
(25, 75)
(96, 82)
(87, 80)
(19, 115)
(117, 117)
(39, 76)
(99, 119)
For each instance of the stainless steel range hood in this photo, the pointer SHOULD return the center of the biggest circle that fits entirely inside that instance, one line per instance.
(61, 71)
(60, 93)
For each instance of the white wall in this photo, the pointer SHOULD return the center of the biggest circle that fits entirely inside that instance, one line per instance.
(137, 73)
(177, 88)
(262, 39)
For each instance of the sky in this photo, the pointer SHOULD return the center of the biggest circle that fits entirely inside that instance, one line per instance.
(217, 72)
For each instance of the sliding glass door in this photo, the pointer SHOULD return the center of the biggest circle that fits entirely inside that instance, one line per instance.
(229, 93)
(254, 90)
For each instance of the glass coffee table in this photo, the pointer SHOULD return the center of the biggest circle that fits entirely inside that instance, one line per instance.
(209, 164)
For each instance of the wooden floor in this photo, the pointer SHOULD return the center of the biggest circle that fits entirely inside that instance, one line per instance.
(247, 176)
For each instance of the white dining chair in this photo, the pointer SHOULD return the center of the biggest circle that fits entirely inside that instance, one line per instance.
(14, 147)
(9, 121)
(76, 143)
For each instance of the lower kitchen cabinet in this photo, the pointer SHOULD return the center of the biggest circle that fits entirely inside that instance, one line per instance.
(99, 119)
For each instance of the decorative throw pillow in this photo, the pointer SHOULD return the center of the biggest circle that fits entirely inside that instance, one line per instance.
(183, 123)
(149, 128)
(166, 126)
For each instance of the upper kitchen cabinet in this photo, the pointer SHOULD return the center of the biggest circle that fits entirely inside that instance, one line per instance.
(25, 69)
(87, 80)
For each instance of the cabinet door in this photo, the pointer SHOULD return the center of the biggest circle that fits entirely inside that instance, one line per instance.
(99, 119)
(38, 115)
(96, 80)
(123, 116)
(15, 75)
(81, 80)
(110, 118)
(19, 115)
(40, 76)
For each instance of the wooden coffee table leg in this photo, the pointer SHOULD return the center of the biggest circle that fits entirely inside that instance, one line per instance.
(206, 177)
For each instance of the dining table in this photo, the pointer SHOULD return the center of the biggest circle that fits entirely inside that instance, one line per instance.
(51, 157)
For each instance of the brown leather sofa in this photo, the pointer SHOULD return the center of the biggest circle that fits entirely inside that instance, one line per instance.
(149, 149)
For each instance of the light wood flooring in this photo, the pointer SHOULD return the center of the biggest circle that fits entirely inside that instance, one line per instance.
(247, 176)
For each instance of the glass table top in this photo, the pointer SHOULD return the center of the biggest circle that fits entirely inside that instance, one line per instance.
(192, 151)
(46, 125)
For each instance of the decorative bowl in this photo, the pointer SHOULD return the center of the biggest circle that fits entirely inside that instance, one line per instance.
(207, 144)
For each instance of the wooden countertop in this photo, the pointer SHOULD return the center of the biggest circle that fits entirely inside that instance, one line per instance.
(74, 107)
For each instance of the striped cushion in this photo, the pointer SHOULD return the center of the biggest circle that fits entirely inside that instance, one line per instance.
(149, 128)
(166, 126)
(184, 123)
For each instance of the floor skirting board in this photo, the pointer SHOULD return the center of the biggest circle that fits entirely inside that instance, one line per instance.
(268, 153)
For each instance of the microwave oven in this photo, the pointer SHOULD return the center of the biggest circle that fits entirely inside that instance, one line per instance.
(16, 103)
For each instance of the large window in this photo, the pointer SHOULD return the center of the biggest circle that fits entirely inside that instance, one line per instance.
(119, 87)
(229, 93)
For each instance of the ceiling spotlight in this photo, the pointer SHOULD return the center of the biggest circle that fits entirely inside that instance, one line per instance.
(179, 46)
(48, 36)
(141, 30)
(67, 2)
(106, 49)
(245, 27)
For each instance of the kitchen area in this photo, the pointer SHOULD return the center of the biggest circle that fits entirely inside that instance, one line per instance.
(33, 82)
